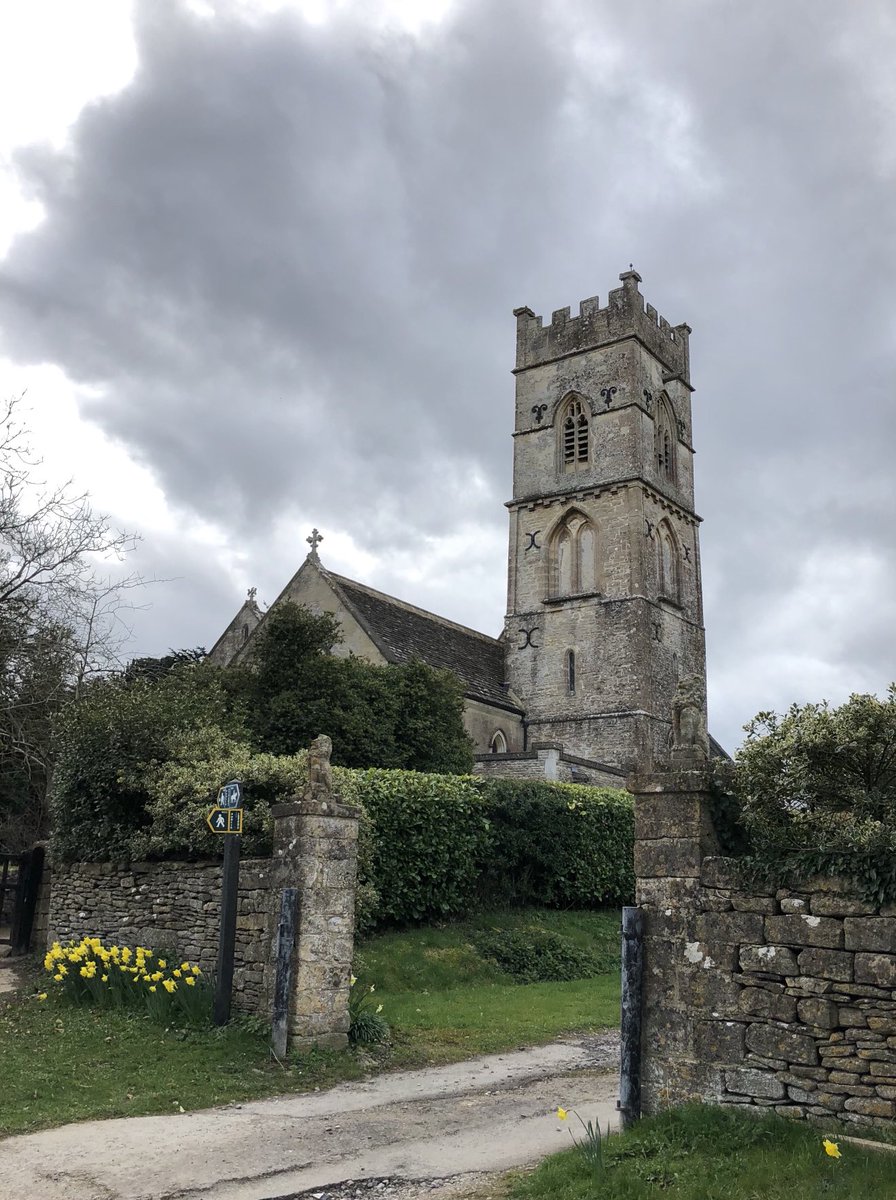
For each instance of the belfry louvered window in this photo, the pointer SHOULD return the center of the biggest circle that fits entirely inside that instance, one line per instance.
(575, 434)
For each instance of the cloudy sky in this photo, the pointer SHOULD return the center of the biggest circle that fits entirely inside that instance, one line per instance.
(258, 262)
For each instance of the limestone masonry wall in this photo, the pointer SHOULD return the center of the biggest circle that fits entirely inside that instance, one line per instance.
(168, 905)
(783, 1000)
(176, 906)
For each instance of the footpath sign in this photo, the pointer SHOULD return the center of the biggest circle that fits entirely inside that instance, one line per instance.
(227, 818)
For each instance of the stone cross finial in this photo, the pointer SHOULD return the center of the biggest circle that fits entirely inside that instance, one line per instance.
(251, 593)
(315, 540)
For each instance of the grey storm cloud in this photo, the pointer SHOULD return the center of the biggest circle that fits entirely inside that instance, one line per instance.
(286, 254)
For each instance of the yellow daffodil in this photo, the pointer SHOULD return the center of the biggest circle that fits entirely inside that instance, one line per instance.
(58, 977)
(831, 1148)
(169, 985)
(379, 1008)
(63, 970)
(196, 970)
(373, 987)
(176, 973)
(162, 963)
(353, 981)
(185, 966)
(104, 978)
(152, 988)
(41, 995)
(190, 981)
(562, 1113)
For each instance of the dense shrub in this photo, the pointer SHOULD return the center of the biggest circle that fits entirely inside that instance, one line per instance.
(535, 955)
(112, 744)
(559, 845)
(817, 792)
(407, 717)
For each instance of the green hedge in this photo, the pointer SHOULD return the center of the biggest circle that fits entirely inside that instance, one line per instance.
(432, 846)
(560, 845)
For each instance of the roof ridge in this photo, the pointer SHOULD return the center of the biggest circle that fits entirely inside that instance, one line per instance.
(423, 612)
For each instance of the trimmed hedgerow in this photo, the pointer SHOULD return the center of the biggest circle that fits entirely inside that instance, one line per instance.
(429, 836)
(560, 845)
(431, 847)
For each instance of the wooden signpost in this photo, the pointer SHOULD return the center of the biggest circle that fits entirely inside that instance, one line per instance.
(227, 818)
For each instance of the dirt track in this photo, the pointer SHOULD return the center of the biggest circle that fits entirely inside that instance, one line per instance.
(439, 1124)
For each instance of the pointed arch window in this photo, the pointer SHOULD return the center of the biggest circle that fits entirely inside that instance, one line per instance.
(668, 564)
(575, 435)
(498, 744)
(665, 440)
(573, 556)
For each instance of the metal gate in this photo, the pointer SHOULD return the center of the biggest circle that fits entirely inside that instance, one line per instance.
(20, 876)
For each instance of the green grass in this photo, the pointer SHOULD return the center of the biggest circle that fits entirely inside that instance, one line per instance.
(444, 1003)
(62, 1063)
(704, 1153)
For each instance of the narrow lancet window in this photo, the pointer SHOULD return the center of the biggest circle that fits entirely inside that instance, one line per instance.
(573, 557)
(575, 435)
(571, 672)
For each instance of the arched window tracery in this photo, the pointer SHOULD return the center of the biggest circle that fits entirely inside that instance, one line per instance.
(573, 556)
(669, 568)
(575, 435)
(665, 440)
(498, 744)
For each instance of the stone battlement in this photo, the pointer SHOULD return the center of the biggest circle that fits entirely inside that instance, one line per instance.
(625, 315)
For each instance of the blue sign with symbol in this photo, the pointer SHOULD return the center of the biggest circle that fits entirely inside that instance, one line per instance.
(230, 795)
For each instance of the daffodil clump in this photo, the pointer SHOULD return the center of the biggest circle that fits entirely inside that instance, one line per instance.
(88, 972)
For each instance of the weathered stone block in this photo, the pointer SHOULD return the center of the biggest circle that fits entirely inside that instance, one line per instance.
(805, 930)
(870, 933)
(758, 1002)
(819, 1012)
(707, 991)
(878, 970)
(668, 857)
(831, 905)
(758, 904)
(719, 1041)
(662, 816)
(747, 1082)
(794, 904)
(734, 927)
(829, 964)
(870, 1107)
(770, 960)
(773, 1041)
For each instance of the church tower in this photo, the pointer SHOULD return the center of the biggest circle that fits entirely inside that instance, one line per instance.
(604, 609)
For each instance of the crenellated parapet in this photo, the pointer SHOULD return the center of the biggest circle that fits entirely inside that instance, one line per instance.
(625, 315)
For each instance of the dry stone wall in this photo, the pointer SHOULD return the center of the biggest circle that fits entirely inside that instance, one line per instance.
(168, 905)
(176, 906)
(782, 999)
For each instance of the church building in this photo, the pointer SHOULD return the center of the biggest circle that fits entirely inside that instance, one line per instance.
(604, 601)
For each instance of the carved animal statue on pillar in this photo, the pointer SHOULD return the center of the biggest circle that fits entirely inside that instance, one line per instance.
(320, 773)
(689, 734)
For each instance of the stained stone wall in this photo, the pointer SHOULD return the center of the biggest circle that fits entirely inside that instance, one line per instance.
(167, 905)
(783, 999)
(176, 906)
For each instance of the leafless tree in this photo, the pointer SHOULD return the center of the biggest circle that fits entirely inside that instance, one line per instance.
(62, 616)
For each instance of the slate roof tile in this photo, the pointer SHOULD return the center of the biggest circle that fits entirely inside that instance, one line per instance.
(403, 632)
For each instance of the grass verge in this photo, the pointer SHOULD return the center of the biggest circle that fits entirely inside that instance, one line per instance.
(703, 1153)
(443, 1001)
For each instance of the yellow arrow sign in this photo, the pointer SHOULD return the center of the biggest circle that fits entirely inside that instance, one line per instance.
(225, 820)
